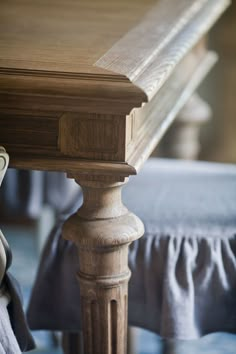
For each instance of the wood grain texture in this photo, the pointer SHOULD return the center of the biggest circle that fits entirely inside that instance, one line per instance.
(159, 114)
(63, 36)
(151, 62)
(99, 123)
(42, 91)
(93, 143)
(60, 44)
(93, 136)
(102, 229)
(37, 132)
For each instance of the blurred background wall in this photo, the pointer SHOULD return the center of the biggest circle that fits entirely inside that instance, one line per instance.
(218, 135)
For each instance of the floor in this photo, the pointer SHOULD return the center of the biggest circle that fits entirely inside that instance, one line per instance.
(25, 250)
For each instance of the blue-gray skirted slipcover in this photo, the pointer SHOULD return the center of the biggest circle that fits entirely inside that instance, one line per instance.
(24, 193)
(183, 282)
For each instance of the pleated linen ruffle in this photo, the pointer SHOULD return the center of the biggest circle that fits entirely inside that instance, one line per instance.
(190, 289)
(183, 282)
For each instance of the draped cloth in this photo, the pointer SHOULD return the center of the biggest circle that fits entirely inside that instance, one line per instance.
(23, 194)
(8, 342)
(183, 282)
(15, 336)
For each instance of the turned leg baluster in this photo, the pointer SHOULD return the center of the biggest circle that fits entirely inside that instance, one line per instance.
(182, 141)
(102, 229)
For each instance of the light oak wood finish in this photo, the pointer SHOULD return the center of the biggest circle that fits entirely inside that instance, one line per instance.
(89, 88)
(183, 139)
(72, 343)
(39, 100)
(102, 229)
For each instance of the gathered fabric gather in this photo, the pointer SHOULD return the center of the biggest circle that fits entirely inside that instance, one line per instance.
(183, 282)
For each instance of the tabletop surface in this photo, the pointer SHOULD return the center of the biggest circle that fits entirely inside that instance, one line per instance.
(93, 37)
(97, 80)
(135, 41)
(62, 35)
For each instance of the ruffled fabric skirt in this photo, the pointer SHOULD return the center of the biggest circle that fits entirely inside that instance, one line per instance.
(183, 282)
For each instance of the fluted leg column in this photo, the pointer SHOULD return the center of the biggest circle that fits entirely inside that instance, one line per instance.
(102, 229)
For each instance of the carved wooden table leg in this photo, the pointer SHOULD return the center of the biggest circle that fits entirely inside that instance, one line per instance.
(102, 229)
(183, 139)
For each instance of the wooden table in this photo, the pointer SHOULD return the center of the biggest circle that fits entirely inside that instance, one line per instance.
(89, 88)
